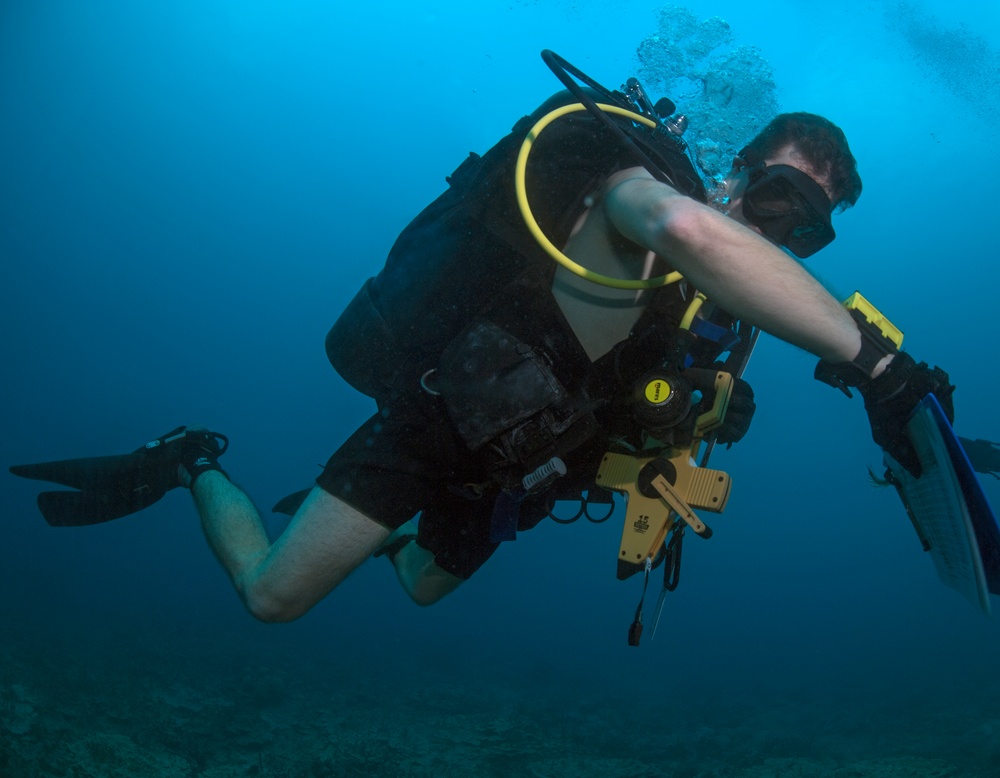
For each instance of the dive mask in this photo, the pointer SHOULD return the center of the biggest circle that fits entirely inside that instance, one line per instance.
(788, 206)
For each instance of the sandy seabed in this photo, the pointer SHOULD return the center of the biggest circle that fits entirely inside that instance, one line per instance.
(157, 712)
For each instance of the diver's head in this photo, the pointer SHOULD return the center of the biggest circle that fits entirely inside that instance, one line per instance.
(788, 180)
(822, 145)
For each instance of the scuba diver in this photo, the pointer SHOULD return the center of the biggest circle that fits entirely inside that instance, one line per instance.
(503, 379)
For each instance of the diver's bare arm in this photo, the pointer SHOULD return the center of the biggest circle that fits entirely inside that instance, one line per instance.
(732, 265)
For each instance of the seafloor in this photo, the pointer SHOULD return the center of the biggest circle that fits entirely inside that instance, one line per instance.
(129, 711)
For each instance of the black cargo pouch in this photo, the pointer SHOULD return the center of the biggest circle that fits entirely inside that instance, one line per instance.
(490, 381)
(499, 391)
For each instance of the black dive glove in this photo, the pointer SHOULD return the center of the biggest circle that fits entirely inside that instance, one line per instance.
(891, 398)
(739, 414)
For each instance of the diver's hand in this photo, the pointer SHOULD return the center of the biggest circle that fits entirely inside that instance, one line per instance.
(739, 414)
(891, 398)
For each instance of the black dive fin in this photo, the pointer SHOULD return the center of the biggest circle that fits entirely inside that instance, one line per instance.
(87, 473)
(110, 487)
(983, 454)
(80, 509)
(113, 486)
(289, 505)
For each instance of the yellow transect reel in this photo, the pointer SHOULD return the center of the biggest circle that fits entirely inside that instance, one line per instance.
(536, 231)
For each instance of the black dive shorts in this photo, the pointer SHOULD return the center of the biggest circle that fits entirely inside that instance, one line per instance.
(408, 459)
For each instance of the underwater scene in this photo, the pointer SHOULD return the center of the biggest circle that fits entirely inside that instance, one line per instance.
(191, 192)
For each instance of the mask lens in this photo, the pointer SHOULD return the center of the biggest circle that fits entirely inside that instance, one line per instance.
(789, 208)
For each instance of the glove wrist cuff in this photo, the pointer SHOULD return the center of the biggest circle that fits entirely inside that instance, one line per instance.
(875, 346)
(891, 381)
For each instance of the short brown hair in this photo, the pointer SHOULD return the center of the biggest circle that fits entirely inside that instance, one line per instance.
(824, 146)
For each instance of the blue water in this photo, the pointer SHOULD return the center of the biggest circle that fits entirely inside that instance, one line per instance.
(189, 194)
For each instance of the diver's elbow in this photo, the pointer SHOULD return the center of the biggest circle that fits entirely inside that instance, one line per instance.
(679, 226)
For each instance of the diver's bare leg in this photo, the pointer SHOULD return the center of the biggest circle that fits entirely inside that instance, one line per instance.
(424, 581)
(325, 541)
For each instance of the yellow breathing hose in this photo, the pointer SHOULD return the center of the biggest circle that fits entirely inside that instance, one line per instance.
(536, 231)
(692, 311)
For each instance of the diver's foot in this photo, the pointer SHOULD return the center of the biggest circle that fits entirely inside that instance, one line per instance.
(187, 452)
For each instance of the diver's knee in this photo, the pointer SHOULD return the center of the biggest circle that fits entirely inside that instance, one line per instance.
(270, 611)
(430, 590)
(426, 598)
(270, 608)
